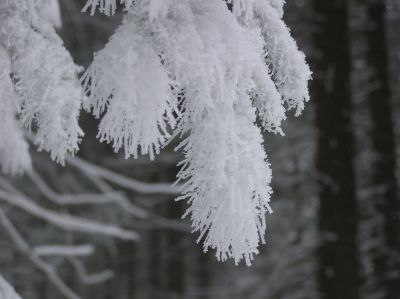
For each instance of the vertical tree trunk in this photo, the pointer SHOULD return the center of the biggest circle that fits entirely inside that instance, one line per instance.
(176, 255)
(176, 271)
(386, 200)
(337, 255)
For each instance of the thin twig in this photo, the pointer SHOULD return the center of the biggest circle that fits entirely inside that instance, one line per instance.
(47, 269)
(66, 221)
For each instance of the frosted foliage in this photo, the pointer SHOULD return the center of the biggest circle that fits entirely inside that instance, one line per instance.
(14, 155)
(189, 69)
(50, 11)
(227, 181)
(7, 291)
(108, 7)
(48, 91)
(216, 63)
(291, 72)
(135, 90)
(249, 9)
(289, 68)
(278, 5)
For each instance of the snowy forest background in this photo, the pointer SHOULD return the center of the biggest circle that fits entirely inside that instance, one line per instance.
(335, 230)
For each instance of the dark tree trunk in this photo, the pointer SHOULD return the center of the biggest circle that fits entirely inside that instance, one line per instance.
(337, 255)
(387, 203)
(176, 271)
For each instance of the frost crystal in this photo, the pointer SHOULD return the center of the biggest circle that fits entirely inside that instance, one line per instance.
(48, 92)
(14, 155)
(216, 63)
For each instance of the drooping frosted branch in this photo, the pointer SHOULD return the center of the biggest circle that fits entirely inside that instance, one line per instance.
(225, 173)
(14, 155)
(45, 76)
(227, 182)
(289, 68)
(217, 63)
(107, 7)
(133, 90)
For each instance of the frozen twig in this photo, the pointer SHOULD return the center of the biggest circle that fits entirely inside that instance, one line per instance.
(47, 269)
(65, 221)
(90, 279)
(72, 199)
(121, 180)
(64, 250)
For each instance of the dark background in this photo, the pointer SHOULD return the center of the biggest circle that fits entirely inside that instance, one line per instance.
(335, 231)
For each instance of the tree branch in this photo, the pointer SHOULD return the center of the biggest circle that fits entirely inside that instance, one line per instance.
(67, 222)
(47, 269)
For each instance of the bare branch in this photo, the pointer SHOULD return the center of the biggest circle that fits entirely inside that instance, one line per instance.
(123, 181)
(65, 221)
(47, 269)
(116, 178)
(110, 196)
(72, 199)
(90, 279)
(64, 250)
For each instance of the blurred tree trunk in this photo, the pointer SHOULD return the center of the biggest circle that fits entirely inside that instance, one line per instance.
(386, 200)
(337, 255)
(176, 271)
(176, 254)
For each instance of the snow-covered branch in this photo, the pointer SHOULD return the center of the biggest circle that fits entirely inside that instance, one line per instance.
(14, 155)
(90, 279)
(63, 250)
(121, 180)
(48, 90)
(73, 199)
(44, 267)
(67, 222)
(108, 7)
(193, 70)
(217, 64)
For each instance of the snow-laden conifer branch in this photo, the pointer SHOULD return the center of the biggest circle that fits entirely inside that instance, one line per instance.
(14, 155)
(216, 68)
(227, 182)
(48, 91)
(190, 69)
(107, 7)
(248, 8)
(289, 68)
(134, 92)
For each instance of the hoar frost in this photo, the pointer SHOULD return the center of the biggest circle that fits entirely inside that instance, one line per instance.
(46, 88)
(225, 68)
(188, 69)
